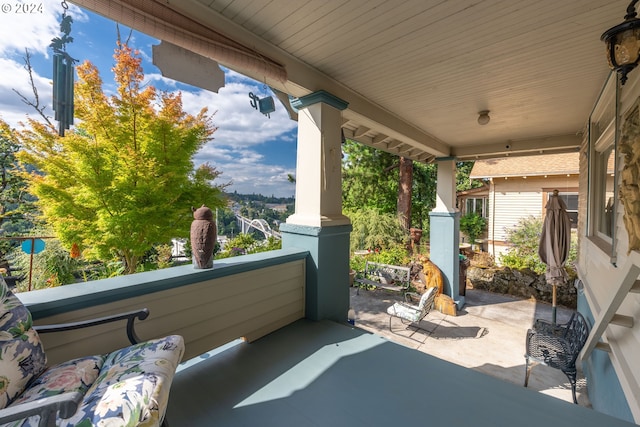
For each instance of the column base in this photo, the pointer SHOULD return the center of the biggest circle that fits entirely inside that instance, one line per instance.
(327, 268)
(318, 220)
(444, 241)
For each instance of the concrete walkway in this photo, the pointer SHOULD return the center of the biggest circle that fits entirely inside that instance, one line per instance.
(487, 335)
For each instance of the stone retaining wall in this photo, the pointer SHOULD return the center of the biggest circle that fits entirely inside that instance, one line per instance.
(520, 283)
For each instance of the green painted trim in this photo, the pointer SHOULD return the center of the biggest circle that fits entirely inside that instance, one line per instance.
(445, 214)
(308, 230)
(48, 302)
(444, 159)
(327, 268)
(319, 96)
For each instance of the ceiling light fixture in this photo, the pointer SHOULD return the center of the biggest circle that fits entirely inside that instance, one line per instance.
(623, 43)
(483, 117)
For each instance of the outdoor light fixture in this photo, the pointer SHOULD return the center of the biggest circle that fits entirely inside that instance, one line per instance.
(483, 117)
(623, 43)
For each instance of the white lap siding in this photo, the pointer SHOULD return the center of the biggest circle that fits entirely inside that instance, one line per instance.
(509, 208)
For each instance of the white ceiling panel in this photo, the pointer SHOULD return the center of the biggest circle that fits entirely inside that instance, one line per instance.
(418, 72)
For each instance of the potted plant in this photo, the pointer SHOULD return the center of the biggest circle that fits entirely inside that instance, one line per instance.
(473, 225)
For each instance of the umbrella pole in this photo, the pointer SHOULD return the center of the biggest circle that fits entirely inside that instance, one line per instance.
(553, 305)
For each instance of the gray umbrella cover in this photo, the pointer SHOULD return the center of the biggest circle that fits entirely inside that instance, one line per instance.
(555, 240)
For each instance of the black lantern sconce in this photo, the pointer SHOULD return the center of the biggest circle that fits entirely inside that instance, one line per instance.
(623, 43)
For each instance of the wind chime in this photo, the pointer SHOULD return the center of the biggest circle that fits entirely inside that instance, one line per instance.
(63, 72)
(265, 105)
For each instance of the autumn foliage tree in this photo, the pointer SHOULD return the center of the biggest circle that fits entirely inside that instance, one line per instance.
(124, 180)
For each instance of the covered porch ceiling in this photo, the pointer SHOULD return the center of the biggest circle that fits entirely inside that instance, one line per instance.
(416, 73)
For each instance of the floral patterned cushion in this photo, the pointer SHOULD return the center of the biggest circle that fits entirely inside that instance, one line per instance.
(21, 353)
(133, 386)
(129, 387)
(74, 375)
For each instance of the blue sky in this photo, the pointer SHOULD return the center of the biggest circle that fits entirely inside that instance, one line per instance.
(254, 152)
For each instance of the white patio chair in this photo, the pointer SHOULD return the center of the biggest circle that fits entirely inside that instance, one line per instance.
(412, 314)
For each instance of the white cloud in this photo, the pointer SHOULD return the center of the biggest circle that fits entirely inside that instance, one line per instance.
(32, 29)
(155, 78)
(238, 123)
(241, 131)
(13, 109)
(248, 170)
(260, 178)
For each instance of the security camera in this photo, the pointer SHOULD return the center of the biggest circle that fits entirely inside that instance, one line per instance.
(507, 146)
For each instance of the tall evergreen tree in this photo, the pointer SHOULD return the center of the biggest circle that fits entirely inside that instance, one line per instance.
(374, 179)
(369, 178)
(16, 205)
(405, 190)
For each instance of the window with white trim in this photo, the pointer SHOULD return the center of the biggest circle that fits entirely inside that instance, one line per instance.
(478, 205)
(602, 161)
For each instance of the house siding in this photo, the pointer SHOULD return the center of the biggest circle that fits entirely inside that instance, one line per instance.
(518, 189)
(513, 199)
(510, 207)
(599, 268)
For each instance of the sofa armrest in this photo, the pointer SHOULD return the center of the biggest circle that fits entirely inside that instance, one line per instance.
(46, 408)
(129, 316)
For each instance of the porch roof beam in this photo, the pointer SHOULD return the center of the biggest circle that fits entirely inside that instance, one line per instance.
(303, 79)
(552, 144)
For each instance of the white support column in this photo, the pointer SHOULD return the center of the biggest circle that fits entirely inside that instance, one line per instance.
(318, 223)
(446, 186)
(445, 230)
(319, 162)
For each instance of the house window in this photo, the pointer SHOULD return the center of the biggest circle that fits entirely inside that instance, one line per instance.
(602, 141)
(605, 196)
(479, 206)
(571, 201)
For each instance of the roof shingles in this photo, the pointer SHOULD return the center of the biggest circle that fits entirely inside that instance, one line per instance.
(546, 164)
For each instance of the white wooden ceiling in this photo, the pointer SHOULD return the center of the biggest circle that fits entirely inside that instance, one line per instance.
(416, 73)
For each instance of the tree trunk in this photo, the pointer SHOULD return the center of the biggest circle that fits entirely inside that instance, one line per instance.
(405, 183)
(130, 262)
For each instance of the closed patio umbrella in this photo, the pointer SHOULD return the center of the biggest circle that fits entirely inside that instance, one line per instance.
(555, 242)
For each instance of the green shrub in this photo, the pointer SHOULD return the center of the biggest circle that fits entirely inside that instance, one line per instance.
(473, 225)
(375, 231)
(396, 255)
(239, 245)
(271, 244)
(525, 240)
(106, 270)
(244, 244)
(52, 267)
(163, 256)
(357, 262)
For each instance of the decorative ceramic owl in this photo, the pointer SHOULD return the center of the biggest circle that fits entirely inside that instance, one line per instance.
(203, 237)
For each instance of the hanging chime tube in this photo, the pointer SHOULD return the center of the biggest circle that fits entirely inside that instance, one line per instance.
(57, 82)
(68, 117)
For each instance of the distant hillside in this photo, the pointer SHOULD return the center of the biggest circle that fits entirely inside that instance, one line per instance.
(245, 198)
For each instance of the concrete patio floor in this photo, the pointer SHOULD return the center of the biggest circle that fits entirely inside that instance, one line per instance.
(487, 335)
